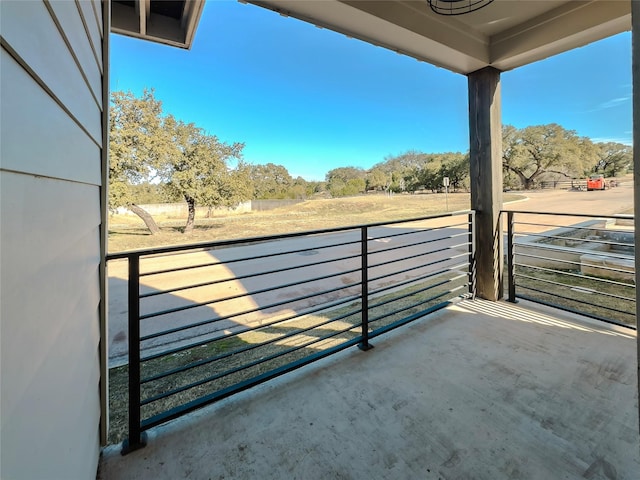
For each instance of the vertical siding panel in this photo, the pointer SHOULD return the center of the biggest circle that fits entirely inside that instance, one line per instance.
(51, 245)
(86, 11)
(103, 315)
(50, 288)
(97, 11)
(70, 23)
(30, 32)
(62, 149)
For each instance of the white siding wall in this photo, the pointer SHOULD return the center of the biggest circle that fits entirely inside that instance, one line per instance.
(51, 81)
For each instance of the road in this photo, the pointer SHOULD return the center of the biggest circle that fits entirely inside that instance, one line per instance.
(605, 202)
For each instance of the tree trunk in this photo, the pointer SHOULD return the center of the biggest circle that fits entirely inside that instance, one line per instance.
(524, 181)
(191, 203)
(146, 218)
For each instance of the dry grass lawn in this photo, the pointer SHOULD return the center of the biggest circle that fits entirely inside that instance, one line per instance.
(129, 232)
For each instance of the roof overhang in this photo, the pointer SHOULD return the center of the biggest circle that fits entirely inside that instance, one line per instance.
(506, 34)
(172, 22)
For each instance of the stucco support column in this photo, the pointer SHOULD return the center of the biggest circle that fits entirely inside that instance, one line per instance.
(485, 134)
(635, 71)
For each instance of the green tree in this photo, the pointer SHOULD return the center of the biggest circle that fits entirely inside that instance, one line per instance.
(271, 181)
(403, 170)
(197, 169)
(137, 146)
(533, 151)
(417, 171)
(379, 178)
(144, 193)
(345, 181)
(431, 173)
(300, 189)
(613, 158)
(455, 166)
(314, 188)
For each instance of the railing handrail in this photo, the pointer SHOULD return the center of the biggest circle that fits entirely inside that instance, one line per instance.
(267, 238)
(581, 215)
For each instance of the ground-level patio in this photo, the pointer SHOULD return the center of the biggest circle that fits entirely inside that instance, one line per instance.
(479, 390)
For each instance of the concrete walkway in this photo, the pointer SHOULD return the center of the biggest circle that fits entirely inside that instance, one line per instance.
(480, 390)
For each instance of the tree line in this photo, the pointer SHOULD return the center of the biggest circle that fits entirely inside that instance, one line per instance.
(530, 155)
(550, 152)
(409, 172)
(156, 158)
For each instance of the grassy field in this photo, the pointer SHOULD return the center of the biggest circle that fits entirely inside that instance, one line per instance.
(128, 232)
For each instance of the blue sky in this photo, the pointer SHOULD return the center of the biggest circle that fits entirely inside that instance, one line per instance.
(312, 100)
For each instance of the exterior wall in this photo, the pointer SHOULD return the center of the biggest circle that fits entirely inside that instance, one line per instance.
(51, 100)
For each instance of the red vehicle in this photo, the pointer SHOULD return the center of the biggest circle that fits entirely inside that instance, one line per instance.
(595, 182)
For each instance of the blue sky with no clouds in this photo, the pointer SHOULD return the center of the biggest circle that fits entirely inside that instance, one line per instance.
(312, 100)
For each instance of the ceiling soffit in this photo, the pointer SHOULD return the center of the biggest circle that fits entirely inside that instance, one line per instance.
(172, 22)
(506, 34)
(571, 25)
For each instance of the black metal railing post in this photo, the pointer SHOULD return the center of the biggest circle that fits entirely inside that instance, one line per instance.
(137, 439)
(472, 255)
(510, 258)
(364, 249)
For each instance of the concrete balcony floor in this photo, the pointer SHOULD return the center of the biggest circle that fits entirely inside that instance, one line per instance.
(479, 390)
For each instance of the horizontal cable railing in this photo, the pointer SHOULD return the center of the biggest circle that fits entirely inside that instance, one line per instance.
(581, 263)
(209, 320)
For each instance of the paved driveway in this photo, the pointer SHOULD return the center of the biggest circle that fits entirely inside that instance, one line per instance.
(601, 202)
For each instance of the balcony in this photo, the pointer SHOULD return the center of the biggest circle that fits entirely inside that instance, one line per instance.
(477, 390)
(467, 388)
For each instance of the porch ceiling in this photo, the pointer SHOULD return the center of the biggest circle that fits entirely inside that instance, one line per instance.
(506, 34)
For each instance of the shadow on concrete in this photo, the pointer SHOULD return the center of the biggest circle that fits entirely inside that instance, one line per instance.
(483, 390)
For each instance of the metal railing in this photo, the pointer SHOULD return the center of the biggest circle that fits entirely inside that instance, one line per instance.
(209, 320)
(579, 263)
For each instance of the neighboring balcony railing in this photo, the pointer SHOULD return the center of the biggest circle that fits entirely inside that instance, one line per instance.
(579, 263)
(210, 320)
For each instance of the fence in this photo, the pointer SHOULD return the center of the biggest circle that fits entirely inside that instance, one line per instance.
(564, 184)
(211, 320)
